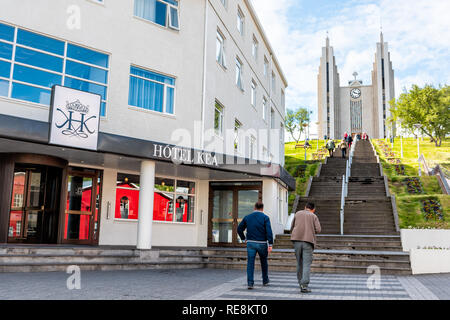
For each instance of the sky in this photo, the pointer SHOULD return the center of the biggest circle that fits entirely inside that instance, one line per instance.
(417, 32)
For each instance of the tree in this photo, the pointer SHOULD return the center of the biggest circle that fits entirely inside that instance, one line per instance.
(295, 121)
(427, 106)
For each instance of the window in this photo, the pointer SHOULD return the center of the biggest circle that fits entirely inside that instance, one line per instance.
(224, 2)
(220, 49)
(265, 109)
(240, 21)
(151, 91)
(255, 48)
(40, 62)
(272, 119)
(253, 93)
(274, 82)
(174, 200)
(218, 119)
(237, 133)
(283, 99)
(252, 153)
(162, 12)
(18, 200)
(239, 74)
(266, 67)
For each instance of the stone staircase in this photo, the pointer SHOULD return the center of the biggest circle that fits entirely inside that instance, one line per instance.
(370, 236)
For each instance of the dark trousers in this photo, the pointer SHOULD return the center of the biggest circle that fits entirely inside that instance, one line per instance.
(304, 254)
(344, 152)
(331, 152)
(262, 250)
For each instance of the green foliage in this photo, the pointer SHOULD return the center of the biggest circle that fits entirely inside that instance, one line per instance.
(427, 106)
(410, 207)
(295, 121)
(410, 212)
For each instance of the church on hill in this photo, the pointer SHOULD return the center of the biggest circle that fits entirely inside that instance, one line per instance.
(355, 108)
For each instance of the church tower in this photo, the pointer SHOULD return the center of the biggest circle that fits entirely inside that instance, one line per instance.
(328, 94)
(357, 107)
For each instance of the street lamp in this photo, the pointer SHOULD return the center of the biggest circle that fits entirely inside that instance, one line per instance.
(306, 139)
(418, 126)
(317, 123)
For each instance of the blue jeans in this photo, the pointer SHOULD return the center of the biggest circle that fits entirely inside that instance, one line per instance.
(262, 250)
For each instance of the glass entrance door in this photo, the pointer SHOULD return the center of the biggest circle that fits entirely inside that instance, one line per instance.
(229, 204)
(82, 207)
(34, 205)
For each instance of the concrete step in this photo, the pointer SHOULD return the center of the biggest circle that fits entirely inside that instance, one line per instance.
(104, 266)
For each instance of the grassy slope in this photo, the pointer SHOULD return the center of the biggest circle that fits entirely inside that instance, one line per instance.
(409, 206)
(295, 158)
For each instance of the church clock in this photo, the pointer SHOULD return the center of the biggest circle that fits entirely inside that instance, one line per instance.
(355, 93)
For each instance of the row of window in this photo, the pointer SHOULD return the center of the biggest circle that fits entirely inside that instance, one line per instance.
(221, 57)
(239, 66)
(31, 64)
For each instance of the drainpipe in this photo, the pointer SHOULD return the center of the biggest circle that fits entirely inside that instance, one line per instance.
(205, 40)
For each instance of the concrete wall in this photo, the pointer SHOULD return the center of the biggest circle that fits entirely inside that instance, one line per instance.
(414, 238)
(113, 29)
(221, 84)
(425, 261)
(432, 260)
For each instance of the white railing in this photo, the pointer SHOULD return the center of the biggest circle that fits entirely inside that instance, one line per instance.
(342, 203)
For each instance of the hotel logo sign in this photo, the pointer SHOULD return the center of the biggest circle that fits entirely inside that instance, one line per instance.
(74, 118)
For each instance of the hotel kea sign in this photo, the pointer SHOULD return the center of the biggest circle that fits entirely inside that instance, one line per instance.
(74, 118)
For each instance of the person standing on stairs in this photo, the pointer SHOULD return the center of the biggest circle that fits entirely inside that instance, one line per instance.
(304, 228)
(330, 146)
(349, 141)
(343, 146)
(259, 240)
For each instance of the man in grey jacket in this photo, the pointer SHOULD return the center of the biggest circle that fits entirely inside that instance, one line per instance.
(304, 228)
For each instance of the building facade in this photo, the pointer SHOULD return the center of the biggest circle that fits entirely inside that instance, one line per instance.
(355, 108)
(138, 122)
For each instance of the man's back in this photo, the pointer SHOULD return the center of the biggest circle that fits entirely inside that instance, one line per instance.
(258, 228)
(305, 226)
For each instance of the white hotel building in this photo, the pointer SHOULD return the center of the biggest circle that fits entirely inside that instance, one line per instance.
(178, 138)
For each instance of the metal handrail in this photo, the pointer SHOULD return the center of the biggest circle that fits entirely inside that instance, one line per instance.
(342, 204)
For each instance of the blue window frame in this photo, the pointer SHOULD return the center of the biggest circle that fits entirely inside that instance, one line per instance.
(5, 50)
(162, 12)
(41, 62)
(38, 59)
(4, 88)
(6, 32)
(5, 69)
(34, 40)
(151, 91)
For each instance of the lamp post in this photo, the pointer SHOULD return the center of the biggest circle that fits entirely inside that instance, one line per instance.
(318, 136)
(418, 126)
(306, 138)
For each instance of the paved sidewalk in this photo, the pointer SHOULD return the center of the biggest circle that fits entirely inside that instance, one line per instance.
(210, 284)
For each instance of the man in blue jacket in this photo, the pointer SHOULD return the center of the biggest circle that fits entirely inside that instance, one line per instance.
(259, 240)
